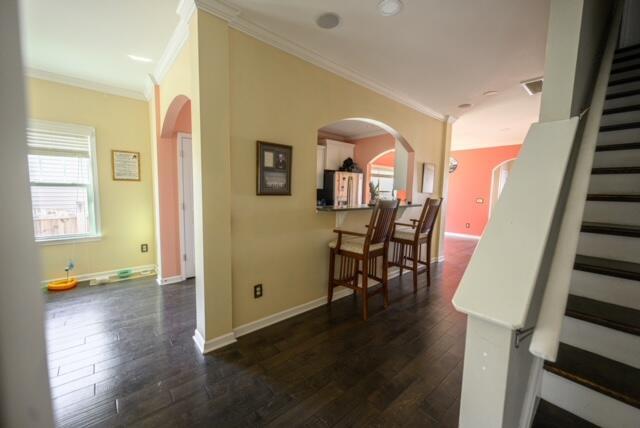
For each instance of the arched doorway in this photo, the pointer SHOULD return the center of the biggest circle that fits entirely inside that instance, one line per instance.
(378, 152)
(499, 177)
(175, 193)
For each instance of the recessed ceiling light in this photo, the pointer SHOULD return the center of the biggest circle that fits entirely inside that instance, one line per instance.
(465, 105)
(489, 93)
(328, 20)
(140, 58)
(389, 7)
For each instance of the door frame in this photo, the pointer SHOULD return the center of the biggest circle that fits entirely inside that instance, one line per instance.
(179, 138)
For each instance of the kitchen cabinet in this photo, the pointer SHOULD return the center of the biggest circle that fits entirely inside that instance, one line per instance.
(336, 152)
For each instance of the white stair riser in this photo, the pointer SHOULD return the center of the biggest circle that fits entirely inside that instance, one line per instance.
(633, 100)
(615, 184)
(625, 63)
(622, 248)
(609, 343)
(623, 87)
(588, 404)
(619, 137)
(617, 158)
(619, 118)
(608, 289)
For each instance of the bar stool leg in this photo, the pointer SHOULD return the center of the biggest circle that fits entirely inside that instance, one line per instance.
(429, 261)
(385, 278)
(365, 292)
(414, 258)
(332, 266)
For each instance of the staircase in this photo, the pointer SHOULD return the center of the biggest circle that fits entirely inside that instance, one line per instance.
(595, 380)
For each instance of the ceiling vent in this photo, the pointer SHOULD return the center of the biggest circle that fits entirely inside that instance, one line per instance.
(533, 86)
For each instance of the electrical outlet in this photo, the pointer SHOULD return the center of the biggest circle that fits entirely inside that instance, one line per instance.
(144, 248)
(467, 225)
(257, 291)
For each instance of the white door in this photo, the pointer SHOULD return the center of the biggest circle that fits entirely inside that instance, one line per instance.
(186, 191)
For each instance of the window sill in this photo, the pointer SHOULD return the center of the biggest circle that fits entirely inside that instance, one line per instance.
(68, 240)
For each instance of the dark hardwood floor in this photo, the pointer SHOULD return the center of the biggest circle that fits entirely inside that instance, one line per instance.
(123, 355)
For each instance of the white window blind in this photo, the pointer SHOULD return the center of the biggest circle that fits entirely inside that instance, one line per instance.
(62, 173)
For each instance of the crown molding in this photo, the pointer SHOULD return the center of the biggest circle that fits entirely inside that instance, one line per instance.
(286, 45)
(84, 84)
(233, 16)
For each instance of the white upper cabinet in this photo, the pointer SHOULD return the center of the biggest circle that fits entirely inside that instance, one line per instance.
(336, 153)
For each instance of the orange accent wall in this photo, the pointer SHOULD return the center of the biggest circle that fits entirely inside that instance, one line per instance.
(470, 181)
(386, 160)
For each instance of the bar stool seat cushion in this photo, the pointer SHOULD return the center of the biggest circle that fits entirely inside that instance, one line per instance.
(354, 245)
(407, 233)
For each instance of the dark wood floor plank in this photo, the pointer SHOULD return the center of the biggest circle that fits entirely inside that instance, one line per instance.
(123, 355)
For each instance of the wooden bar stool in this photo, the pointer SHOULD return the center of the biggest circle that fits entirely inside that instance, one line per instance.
(408, 239)
(363, 248)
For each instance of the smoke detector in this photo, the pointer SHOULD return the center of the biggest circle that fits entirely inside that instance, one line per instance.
(533, 86)
(328, 20)
(389, 7)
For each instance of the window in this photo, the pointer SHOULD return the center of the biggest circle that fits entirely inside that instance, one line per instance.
(383, 177)
(62, 173)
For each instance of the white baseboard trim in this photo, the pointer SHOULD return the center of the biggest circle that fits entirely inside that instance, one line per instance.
(288, 313)
(462, 235)
(206, 346)
(297, 310)
(170, 280)
(94, 275)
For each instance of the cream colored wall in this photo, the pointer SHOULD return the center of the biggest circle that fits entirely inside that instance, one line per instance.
(126, 208)
(281, 242)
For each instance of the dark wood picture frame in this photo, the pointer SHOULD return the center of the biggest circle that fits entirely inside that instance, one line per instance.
(273, 169)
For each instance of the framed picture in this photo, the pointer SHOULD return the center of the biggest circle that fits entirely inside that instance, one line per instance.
(125, 166)
(274, 169)
(428, 177)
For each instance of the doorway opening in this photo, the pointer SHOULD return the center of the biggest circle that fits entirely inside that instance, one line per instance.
(499, 177)
(175, 194)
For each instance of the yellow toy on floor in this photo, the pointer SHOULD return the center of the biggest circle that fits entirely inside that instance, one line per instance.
(64, 284)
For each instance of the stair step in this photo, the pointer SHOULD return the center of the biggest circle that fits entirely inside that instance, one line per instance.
(627, 48)
(605, 314)
(625, 57)
(623, 94)
(551, 416)
(623, 69)
(608, 267)
(623, 146)
(620, 127)
(608, 377)
(611, 229)
(613, 198)
(623, 80)
(624, 109)
(616, 170)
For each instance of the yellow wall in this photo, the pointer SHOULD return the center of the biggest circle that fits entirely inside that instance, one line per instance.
(126, 208)
(281, 242)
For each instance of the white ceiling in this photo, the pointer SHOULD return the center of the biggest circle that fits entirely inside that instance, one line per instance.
(352, 129)
(435, 54)
(500, 120)
(90, 39)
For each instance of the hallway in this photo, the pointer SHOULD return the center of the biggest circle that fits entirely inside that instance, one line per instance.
(127, 357)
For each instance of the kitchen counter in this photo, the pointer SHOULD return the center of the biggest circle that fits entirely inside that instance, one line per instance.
(332, 209)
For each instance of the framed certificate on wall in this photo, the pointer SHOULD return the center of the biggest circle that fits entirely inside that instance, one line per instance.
(274, 169)
(125, 165)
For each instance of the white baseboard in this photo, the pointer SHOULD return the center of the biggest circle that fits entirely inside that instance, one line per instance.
(462, 235)
(288, 313)
(206, 346)
(297, 310)
(94, 275)
(170, 280)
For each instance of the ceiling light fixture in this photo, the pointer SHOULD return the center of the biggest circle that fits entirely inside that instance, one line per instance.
(328, 20)
(489, 93)
(465, 105)
(140, 58)
(390, 7)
